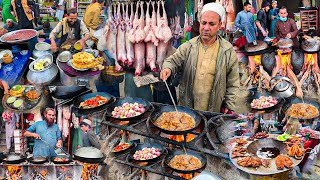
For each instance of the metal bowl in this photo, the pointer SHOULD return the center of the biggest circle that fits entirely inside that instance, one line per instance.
(285, 43)
(12, 33)
(64, 56)
(47, 57)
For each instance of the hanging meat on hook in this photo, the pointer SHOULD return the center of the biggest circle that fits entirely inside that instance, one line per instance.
(121, 34)
(111, 38)
(151, 40)
(163, 33)
(129, 26)
(230, 16)
(139, 47)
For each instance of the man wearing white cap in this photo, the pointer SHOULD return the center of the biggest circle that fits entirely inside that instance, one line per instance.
(209, 65)
(10, 25)
(89, 139)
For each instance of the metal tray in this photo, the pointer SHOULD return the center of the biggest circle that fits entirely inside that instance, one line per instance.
(18, 40)
(70, 64)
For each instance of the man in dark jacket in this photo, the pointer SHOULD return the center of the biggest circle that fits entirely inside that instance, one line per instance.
(261, 21)
(71, 28)
(89, 139)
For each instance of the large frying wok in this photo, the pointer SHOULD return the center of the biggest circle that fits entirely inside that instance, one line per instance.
(147, 145)
(67, 157)
(310, 45)
(13, 158)
(158, 112)
(176, 152)
(67, 92)
(295, 100)
(37, 160)
(89, 155)
(121, 101)
(85, 97)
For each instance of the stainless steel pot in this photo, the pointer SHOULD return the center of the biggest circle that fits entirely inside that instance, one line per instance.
(282, 86)
(42, 77)
(285, 43)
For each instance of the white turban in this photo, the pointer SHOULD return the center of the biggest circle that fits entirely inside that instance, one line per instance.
(215, 7)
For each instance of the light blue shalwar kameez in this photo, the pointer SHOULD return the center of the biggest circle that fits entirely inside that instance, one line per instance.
(245, 22)
(49, 134)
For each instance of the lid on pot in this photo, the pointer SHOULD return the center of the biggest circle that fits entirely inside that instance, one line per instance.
(282, 86)
(285, 43)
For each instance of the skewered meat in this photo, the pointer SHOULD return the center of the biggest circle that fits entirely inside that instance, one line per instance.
(163, 32)
(283, 161)
(129, 26)
(121, 34)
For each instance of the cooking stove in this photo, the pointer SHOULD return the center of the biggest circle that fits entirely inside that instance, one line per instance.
(198, 140)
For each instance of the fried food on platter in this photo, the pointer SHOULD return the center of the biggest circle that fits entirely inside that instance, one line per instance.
(249, 162)
(173, 121)
(185, 162)
(283, 161)
(238, 151)
(17, 91)
(83, 58)
(241, 141)
(295, 150)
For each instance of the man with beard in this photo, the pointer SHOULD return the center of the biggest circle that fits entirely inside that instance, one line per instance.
(71, 29)
(286, 27)
(209, 65)
(46, 131)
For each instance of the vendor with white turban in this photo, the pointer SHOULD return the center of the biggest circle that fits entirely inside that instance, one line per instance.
(209, 65)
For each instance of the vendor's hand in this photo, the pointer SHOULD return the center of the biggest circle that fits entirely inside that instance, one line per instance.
(36, 136)
(54, 47)
(41, 33)
(264, 33)
(256, 33)
(6, 91)
(59, 144)
(289, 36)
(29, 11)
(272, 17)
(165, 73)
(83, 45)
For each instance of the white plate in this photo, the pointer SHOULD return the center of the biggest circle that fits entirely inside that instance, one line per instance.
(42, 46)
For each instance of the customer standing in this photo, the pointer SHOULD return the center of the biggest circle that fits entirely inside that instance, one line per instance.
(261, 21)
(6, 13)
(60, 9)
(23, 13)
(245, 22)
(273, 17)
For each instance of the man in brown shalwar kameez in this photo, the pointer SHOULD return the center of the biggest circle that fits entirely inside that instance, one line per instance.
(286, 27)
